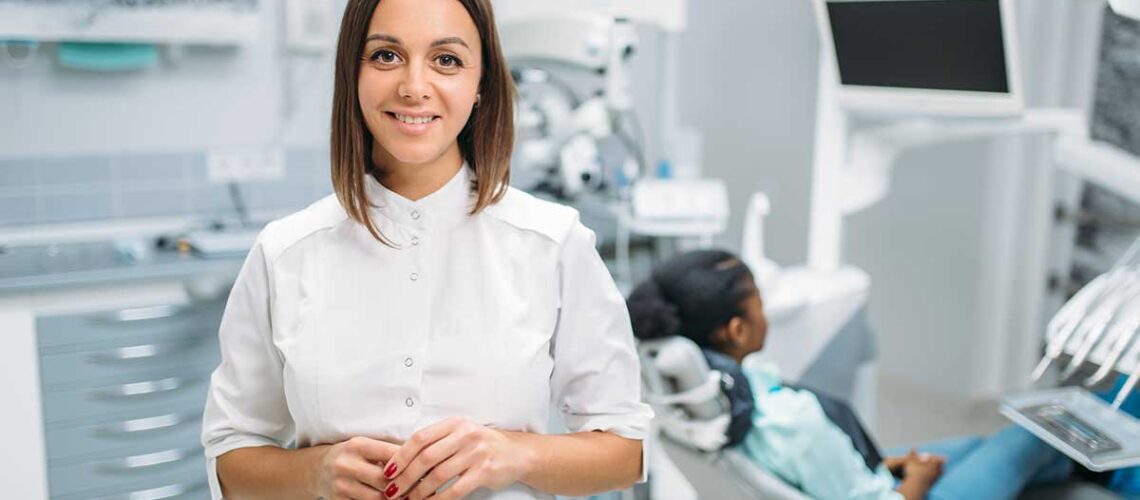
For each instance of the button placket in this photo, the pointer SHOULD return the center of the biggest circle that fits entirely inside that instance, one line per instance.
(413, 360)
(417, 258)
(412, 369)
(408, 375)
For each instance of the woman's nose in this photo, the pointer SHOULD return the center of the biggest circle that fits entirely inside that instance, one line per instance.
(415, 85)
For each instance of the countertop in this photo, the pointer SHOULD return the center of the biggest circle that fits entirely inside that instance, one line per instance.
(37, 268)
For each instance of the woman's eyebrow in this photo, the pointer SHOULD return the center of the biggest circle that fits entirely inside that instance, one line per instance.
(449, 40)
(383, 37)
(392, 39)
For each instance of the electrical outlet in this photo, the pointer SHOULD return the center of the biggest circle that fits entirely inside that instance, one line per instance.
(246, 164)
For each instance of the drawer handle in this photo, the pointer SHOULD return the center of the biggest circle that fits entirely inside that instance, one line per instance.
(144, 424)
(169, 491)
(147, 313)
(135, 352)
(142, 388)
(142, 462)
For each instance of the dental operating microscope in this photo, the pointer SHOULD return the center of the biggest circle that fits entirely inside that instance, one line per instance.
(561, 135)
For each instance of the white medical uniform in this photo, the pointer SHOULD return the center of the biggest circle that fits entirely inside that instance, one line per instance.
(329, 334)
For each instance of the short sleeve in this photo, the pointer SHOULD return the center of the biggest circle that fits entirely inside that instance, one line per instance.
(245, 405)
(596, 382)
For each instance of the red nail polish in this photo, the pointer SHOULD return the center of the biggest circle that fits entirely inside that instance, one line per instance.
(392, 490)
(390, 471)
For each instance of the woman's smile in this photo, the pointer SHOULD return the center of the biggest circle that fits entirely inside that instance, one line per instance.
(413, 124)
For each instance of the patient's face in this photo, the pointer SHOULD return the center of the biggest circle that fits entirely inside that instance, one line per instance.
(755, 321)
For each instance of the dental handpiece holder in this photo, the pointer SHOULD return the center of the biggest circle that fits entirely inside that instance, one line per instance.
(1098, 328)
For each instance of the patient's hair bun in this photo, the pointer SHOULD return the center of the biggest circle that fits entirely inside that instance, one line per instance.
(653, 316)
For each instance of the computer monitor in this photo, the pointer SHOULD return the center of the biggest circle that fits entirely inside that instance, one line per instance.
(925, 57)
(1116, 103)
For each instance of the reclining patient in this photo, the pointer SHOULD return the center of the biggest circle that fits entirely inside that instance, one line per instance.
(811, 441)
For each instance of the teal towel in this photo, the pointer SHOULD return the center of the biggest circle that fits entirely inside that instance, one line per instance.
(107, 56)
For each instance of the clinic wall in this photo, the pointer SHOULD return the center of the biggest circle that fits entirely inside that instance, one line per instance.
(80, 146)
(196, 97)
(747, 73)
(922, 248)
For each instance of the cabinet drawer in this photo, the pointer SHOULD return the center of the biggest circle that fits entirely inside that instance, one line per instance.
(171, 489)
(132, 355)
(183, 429)
(164, 470)
(190, 319)
(149, 394)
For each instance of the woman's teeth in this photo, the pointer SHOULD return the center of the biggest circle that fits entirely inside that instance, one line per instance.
(413, 120)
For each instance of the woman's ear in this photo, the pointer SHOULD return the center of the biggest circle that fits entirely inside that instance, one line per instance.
(734, 332)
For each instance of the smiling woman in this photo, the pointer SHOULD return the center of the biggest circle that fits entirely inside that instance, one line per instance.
(393, 76)
(411, 333)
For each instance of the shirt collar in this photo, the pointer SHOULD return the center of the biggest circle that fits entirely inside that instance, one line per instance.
(448, 202)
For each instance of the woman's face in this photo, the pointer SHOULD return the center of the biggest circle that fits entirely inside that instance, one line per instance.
(755, 322)
(419, 77)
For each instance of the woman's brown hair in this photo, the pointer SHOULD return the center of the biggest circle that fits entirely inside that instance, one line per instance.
(485, 142)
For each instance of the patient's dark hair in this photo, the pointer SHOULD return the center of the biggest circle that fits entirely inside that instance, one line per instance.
(692, 295)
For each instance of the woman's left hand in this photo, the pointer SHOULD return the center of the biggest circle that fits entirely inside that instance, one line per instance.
(480, 457)
(895, 465)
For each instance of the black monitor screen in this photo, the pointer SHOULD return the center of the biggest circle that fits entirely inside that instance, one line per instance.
(921, 44)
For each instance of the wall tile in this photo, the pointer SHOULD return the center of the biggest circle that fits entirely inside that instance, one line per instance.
(74, 207)
(165, 169)
(153, 203)
(85, 188)
(17, 209)
(74, 170)
(19, 174)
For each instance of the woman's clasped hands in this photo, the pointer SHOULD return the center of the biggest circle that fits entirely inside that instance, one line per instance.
(455, 452)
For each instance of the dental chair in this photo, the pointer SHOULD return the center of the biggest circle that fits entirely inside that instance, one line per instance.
(692, 417)
(689, 432)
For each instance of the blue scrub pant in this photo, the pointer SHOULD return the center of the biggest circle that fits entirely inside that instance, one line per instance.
(1001, 466)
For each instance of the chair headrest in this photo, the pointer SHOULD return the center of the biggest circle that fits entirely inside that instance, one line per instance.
(685, 392)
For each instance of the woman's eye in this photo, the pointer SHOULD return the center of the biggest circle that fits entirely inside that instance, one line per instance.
(385, 56)
(449, 61)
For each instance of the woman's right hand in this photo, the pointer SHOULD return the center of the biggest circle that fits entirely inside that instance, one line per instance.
(353, 469)
(920, 471)
(923, 466)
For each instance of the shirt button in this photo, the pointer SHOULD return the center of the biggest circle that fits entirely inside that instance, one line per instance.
(415, 214)
(408, 362)
(415, 240)
(414, 276)
(409, 403)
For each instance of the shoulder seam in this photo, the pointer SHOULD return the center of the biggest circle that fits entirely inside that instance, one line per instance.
(308, 212)
(515, 196)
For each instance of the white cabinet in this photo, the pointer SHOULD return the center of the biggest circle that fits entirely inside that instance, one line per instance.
(169, 21)
(105, 388)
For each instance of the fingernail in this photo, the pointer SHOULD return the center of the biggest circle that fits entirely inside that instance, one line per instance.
(392, 490)
(390, 471)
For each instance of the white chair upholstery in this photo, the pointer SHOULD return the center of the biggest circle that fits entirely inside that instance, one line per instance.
(692, 417)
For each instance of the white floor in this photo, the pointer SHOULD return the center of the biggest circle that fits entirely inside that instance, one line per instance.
(908, 415)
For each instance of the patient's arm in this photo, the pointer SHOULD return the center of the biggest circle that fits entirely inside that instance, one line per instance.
(913, 489)
(919, 474)
(895, 465)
